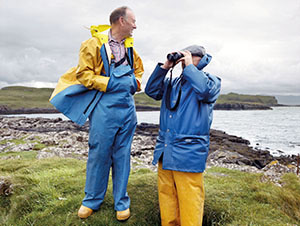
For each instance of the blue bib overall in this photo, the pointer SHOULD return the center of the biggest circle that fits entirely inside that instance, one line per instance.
(112, 125)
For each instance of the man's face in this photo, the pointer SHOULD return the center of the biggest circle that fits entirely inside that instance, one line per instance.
(196, 60)
(129, 23)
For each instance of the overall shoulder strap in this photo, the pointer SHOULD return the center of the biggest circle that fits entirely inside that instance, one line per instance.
(129, 46)
(168, 94)
(104, 51)
(129, 56)
(108, 51)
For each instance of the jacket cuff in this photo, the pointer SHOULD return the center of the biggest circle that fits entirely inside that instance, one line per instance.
(161, 71)
(189, 69)
(160, 65)
(139, 82)
(101, 83)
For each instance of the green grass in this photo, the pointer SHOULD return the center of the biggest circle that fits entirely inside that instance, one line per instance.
(37, 146)
(16, 97)
(14, 141)
(239, 198)
(49, 192)
(232, 98)
(23, 154)
(143, 100)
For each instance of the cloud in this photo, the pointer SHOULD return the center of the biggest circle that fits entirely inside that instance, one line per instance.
(255, 44)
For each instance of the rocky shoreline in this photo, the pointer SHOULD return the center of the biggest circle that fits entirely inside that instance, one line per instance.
(59, 138)
(4, 110)
(240, 106)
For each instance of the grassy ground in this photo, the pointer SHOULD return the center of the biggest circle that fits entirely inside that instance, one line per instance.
(143, 100)
(17, 97)
(49, 192)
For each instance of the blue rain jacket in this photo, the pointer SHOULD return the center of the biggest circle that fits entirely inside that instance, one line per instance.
(183, 140)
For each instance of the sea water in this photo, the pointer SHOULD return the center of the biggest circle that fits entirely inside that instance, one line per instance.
(276, 130)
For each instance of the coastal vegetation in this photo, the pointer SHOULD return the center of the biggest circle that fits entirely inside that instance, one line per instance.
(19, 97)
(16, 97)
(141, 99)
(49, 192)
(232, 98)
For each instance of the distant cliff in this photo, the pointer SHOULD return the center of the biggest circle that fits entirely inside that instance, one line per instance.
(247, 99)
(28, 100)
(241, 106)
(234, 101)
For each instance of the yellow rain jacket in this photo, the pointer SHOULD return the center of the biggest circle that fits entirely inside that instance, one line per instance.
(81, 87)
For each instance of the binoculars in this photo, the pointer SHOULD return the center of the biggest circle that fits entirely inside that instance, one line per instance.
(173, 57)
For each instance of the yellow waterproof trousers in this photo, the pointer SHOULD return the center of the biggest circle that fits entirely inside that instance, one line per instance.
(181, 197)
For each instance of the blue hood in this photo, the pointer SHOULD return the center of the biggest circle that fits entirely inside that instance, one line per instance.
(204, 61)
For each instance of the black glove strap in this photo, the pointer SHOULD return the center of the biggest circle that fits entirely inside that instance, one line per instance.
(120, 61)
(168, 95)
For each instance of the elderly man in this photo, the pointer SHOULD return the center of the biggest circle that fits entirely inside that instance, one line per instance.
(101, 87)
(183, 142)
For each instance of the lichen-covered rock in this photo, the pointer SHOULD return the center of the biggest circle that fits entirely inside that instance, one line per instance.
(6, 187)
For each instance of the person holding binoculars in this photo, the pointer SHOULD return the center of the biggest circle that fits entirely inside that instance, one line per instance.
(183, 142)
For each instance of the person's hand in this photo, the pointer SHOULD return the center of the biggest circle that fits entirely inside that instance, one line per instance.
(167, 65)
(187, 58)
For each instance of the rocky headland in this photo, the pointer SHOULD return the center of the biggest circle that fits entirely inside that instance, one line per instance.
(65, 139)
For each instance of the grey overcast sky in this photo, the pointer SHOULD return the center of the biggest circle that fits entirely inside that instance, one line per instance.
(255, 44)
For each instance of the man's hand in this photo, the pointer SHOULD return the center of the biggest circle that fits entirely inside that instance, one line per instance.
(167, 65)
(187, 59)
